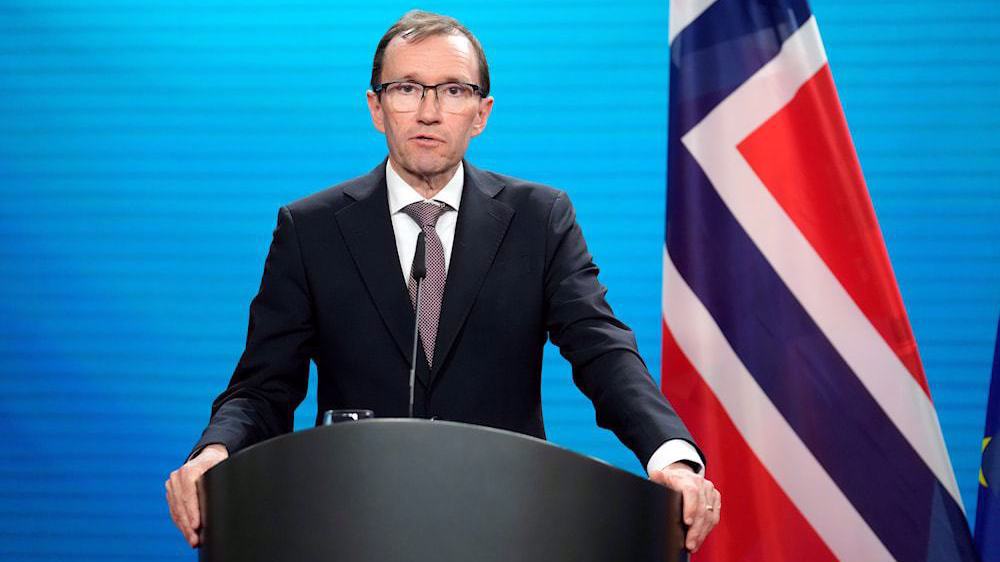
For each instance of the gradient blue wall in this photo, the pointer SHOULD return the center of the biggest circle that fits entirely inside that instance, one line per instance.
(146, 146)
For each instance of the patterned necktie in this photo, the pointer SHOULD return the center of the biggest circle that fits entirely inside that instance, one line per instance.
(432, 288)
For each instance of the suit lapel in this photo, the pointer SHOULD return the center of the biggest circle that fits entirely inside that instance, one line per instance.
(367, 230)
(482, 224)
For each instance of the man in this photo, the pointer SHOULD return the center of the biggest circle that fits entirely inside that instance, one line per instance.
(506, 267)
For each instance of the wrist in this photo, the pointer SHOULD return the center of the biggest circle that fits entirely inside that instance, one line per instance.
(681, 465)
(217, 450)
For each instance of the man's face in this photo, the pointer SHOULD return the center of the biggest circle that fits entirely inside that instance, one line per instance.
(427, 143)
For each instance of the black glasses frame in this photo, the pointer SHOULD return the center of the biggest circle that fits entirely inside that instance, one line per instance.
(381, 87)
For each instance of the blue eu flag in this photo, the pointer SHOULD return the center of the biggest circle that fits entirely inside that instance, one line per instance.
(988, 510)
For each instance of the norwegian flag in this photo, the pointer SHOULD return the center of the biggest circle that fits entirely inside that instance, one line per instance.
(786, 347)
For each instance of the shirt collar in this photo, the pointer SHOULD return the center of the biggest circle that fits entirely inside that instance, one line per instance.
(401, 194)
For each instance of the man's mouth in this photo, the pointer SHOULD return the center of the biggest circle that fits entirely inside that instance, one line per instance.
(427, 139)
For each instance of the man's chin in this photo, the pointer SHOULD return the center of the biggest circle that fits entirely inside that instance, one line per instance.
(433, 169)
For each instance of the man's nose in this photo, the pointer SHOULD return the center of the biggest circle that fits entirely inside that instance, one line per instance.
(429, 110)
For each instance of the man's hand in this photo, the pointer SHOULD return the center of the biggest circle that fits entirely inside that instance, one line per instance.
(701, 505)
(182, 490)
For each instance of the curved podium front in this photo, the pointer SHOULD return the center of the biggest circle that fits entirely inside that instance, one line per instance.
(394, 490)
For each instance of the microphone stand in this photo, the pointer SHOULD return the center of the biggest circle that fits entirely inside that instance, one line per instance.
(418, 274)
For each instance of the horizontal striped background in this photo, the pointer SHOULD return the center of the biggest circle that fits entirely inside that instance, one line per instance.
(145, 148)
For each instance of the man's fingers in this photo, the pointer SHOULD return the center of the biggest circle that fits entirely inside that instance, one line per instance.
(170, 505)
(699, 513)
(692, 499)
(177, 512)
(182, 491)
(189, 498)
(197, 503)
(717, 513)
(176, 508)
(193, 508)
(696, 534)
(698, 494)
(706, 518)
(689, 493)
(179, 498)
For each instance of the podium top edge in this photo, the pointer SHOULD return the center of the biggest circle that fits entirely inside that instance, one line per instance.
(425, 424)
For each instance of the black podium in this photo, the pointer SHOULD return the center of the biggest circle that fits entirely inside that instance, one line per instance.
(394, 490)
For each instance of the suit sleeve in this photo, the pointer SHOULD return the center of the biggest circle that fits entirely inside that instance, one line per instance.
(270, 380)
(601, 349)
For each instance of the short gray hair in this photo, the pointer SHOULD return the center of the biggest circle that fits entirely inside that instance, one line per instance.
(416, 25)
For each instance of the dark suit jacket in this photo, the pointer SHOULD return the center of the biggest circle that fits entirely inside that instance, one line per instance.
(332, 292)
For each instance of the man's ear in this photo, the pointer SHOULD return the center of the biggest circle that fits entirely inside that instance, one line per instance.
(482, 116)
(375, 108)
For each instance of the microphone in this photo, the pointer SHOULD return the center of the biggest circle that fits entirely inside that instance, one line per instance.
(418, 273)
(420, 259)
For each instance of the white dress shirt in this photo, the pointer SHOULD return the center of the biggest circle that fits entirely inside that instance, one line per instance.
(406, 231)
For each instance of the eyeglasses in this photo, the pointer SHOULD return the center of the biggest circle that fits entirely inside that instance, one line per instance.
(405, 95)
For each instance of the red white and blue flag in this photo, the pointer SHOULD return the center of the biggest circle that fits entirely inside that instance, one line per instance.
(786, 347)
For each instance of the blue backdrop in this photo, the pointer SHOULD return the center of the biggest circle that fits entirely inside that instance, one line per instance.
(146, 146)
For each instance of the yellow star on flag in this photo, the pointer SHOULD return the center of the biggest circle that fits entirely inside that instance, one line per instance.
(982, 478)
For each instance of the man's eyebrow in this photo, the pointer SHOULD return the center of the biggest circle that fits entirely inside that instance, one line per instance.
(446, 80)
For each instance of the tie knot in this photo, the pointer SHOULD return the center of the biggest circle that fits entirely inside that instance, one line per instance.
(424, 213)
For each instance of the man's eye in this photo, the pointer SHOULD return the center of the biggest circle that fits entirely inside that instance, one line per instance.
(454, 90)
(406, 88)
